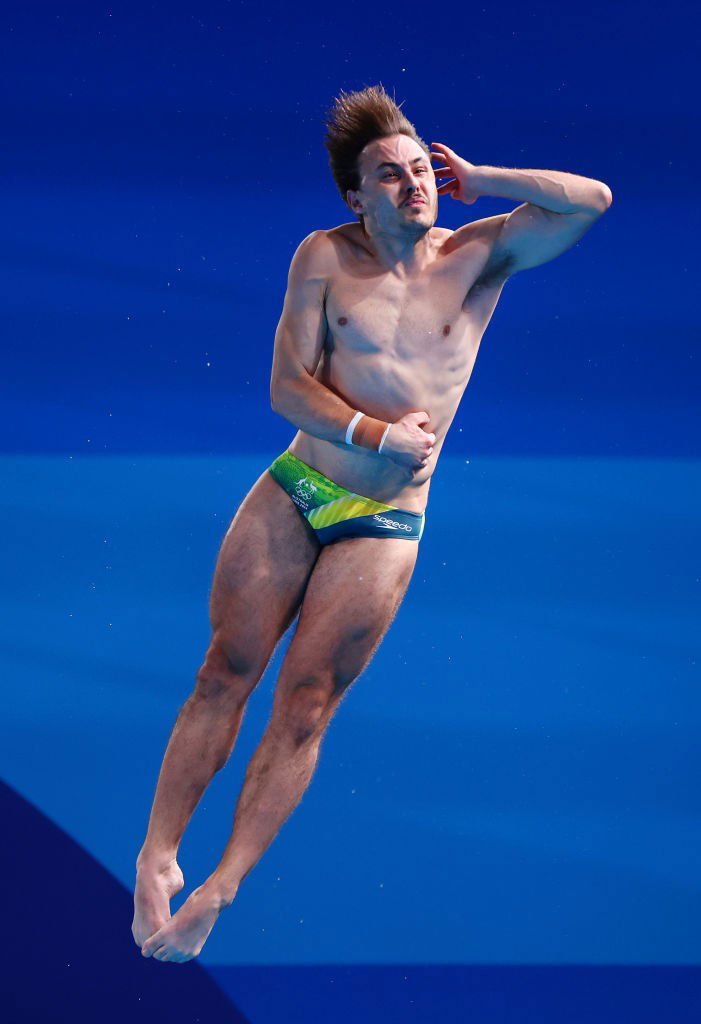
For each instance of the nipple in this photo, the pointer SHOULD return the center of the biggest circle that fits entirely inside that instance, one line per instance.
(446, 330)
(343, 320)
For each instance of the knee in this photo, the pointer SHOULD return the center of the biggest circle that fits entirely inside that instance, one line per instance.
(223, 677)
(304, 709)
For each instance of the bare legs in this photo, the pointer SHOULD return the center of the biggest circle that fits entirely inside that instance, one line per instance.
(353, 594)
(200, 744)
(262, 571)
(275, 781)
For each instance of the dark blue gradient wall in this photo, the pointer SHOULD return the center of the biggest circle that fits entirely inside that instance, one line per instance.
(162, 162)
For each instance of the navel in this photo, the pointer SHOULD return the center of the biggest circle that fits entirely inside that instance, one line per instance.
(446, 330)
(343, 320)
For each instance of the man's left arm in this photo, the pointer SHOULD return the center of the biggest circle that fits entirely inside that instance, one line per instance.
(557, 207)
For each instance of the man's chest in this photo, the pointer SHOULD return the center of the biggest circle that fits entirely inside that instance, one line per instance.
(413, 318)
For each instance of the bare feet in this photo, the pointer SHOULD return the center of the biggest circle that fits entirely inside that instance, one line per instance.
(182, 937)
(156, 884)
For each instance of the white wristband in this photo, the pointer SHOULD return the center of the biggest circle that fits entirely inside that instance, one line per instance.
(384, 436)
(351, 427)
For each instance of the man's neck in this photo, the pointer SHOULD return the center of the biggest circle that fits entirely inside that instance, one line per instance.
(400, 254)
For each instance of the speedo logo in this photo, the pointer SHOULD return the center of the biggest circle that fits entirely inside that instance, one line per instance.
(391, 523)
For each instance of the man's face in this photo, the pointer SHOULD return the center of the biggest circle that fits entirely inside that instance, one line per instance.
(392, 171)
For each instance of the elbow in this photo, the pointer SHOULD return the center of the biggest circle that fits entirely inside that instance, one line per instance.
(281, 390)
(274, 393)
(606, 198)
(277, 398)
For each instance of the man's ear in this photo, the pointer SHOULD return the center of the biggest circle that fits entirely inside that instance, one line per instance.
(354, 201)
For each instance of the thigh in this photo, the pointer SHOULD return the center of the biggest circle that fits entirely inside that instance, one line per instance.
(260, 577)
(353, 595)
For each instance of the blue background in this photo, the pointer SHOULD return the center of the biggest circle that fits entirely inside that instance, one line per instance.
(514, 780)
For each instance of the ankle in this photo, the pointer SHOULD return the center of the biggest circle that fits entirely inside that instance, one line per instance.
(223, 892)
(152, 859)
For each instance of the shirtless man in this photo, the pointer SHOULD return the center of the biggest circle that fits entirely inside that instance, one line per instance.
(379, 333)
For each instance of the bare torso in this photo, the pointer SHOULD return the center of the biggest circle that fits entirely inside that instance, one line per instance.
(397, 344)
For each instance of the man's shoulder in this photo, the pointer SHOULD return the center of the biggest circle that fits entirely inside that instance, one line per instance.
(475, 232)
(350, 232)
(314, 254)
(319, 247)
(477, 243)
(320, 236)
(328, 245)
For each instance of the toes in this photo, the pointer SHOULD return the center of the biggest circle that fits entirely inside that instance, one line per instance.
(167, 954)
(143, 931)
(170, 954)
(150, 946)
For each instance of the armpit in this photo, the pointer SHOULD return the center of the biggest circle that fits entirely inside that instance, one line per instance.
(494, 273)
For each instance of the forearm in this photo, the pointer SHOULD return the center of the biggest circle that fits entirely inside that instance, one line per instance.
(317, 410)
(553, 190)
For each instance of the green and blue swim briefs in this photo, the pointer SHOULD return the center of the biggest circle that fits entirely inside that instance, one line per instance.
(333, 512)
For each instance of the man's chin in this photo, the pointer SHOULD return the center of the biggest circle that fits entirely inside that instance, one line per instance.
(423, 219)
(421, 214)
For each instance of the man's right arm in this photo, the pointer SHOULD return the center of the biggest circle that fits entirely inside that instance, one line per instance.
(299, 340)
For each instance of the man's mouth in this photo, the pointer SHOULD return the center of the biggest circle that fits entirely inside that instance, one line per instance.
(414, 202)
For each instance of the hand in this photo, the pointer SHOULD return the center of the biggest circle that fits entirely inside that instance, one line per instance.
(407, 444)
(461, 187)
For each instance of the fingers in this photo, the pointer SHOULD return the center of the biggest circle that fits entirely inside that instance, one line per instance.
(419, 417)
(442, 172)
(424, 460)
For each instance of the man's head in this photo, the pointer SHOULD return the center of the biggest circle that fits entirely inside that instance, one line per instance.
(378, 162)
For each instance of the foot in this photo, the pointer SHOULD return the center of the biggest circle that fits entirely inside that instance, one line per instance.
(156, 884)
(182, 937)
